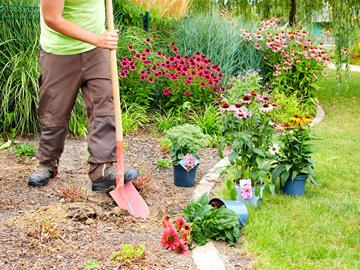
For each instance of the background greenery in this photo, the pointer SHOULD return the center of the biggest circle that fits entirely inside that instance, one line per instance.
(317, 231)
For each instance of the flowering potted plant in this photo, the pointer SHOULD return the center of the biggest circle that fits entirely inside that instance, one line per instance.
(185, 141)
(294, 159)
(248, 127)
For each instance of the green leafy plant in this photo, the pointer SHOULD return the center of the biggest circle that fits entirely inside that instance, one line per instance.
(25, 149)
(165, 145)
(186, 139)
(128, 253)
(248, 127)
(164, 163)
(92, 264)
(207, 222)
(167, 119)
(134, 117)
(209, 120)
(295, 156)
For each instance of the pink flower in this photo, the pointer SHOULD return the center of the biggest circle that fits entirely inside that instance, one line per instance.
(166, 222)
(151, 80)
(187, 93)
(181, 248)
(148, 41)
(170, 238)
(189, 161)
(180, 222)
(202, 84)
(172, 44)
(266, 108)
(166, 91)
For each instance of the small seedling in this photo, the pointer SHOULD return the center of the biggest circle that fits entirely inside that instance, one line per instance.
(163, 163)
(92, 264)
(165, 145)
(128, 253)
(45, 231)
(25, 149)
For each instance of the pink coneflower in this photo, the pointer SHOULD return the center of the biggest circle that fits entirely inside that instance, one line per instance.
(187, 93)
(173, 44)
(151, 80)
(123, 74)
(202, 84)
(147, 51)
(148, 41)
(175, 50)
(224, 107)
(166, 91)
(242, 115)
(181, 248)
(266, 108)
(132, 67)
(179, 222)
(166, 222)
(170, 238)
(246, 99)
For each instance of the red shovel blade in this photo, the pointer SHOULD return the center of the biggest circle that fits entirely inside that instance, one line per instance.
(128, 198)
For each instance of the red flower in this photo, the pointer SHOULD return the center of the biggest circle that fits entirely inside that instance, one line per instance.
(148, 41)
(166, 222)
(151, 80)
(187, 93)
(173, 44)
(202, 84)
(166, 91)
(170, 238)
(179, 222)
(181, 248)
(147, 51)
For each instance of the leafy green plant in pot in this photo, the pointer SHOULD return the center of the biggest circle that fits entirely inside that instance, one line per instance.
(186, 140)
(294, 163)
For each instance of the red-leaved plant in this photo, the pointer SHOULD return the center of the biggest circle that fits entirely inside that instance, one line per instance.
(176, 235)
(176, 78)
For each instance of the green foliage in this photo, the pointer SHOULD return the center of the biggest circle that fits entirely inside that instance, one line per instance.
(165, 145)
(208, 222)
(128, 252)
(25, 149)
(133, 118)
(126, 13)
(289, 105)
(245, 82)
(221, 42)
(209, 120)
(167, 119)
(185, 139)
(78, 120)
(295, 156)
(164, 163)
(92, 264)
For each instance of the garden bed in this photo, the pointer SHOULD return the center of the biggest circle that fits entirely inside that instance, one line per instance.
(84, 225)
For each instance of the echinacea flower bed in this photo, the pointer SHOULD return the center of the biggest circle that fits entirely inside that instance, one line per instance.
(170, 79)
(292, 62)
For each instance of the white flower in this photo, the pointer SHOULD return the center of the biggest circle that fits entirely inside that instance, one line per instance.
(274, 149)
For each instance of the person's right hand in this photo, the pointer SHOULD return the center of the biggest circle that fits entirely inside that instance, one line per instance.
(108, 40)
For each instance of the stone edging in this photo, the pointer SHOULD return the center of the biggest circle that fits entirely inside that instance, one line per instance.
(207, 257)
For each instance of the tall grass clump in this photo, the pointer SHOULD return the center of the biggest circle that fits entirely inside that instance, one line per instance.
(20, 70)
(220, 40)
(166, 8)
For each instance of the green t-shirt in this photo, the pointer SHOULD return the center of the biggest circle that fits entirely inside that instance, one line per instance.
(89, 14)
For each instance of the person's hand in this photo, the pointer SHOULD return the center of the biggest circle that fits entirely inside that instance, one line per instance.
(108, 40)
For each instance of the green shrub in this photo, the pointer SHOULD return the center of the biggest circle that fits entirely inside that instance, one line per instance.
(25, 149)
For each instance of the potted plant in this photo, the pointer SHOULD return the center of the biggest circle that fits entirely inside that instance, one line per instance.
(294, 163)
(186, 140)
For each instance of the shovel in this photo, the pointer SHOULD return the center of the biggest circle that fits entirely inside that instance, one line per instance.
(126, 196)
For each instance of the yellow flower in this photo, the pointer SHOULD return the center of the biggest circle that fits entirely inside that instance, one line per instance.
(307, 118)
(297, 119)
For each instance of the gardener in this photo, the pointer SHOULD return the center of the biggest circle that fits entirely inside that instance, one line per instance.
(75, 55)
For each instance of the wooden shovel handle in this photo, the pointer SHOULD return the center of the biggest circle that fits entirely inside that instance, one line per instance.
(114, 75)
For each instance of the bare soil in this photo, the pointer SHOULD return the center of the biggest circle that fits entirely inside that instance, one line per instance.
(64, 224)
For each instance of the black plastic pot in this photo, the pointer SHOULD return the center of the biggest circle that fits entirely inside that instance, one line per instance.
(183, 178)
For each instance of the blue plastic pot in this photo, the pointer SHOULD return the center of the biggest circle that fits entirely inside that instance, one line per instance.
(237, 206)
(295, 187)
(183, 178)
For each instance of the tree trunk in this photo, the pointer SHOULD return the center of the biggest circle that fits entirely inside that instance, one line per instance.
(292, 15)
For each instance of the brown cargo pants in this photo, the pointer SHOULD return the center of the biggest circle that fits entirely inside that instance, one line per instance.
(61, 79)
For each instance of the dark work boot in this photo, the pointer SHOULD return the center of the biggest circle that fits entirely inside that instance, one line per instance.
(42, 174)
(108, 181)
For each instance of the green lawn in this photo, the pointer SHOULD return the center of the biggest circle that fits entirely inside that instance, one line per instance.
(322, 229)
